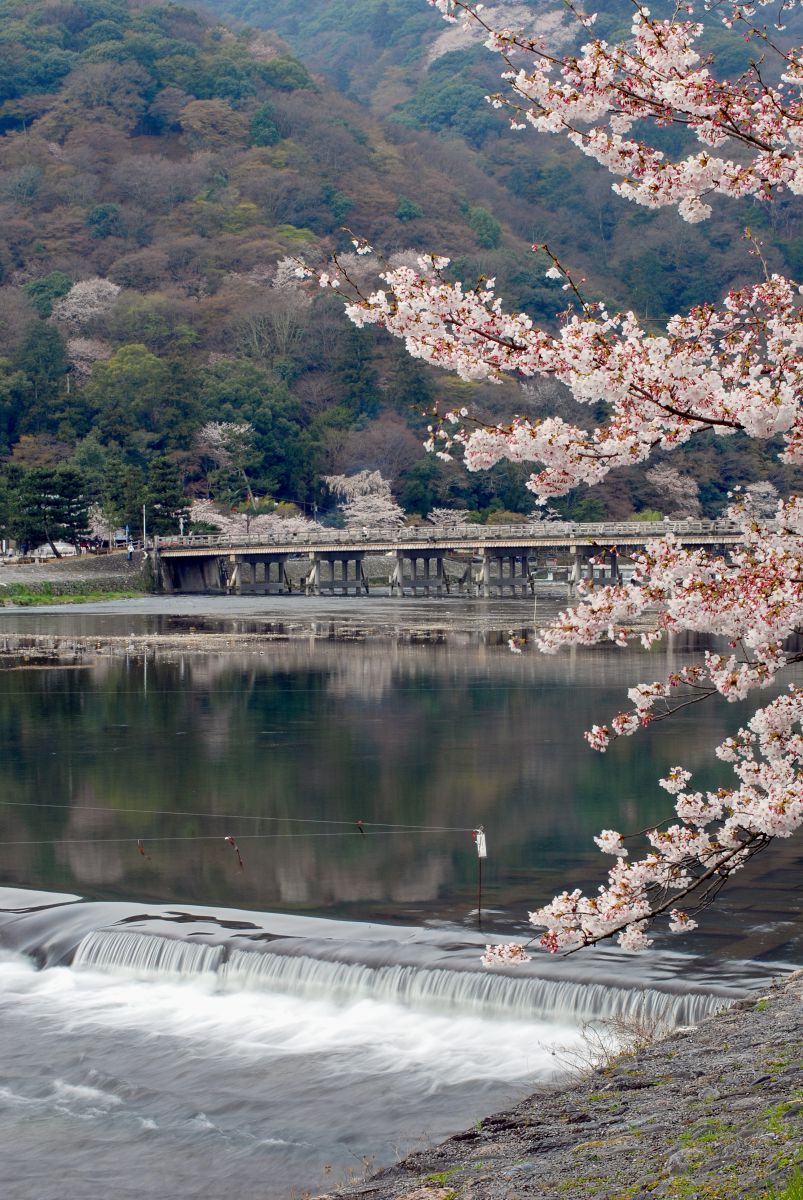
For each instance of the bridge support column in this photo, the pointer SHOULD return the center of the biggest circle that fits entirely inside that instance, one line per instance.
(439, 574)
(312, 584)
(397, 575)
(530, 570)
(485, 575)
(211, 575)
(574, 569)
(614, 567)
(234, 584)
(162, 574)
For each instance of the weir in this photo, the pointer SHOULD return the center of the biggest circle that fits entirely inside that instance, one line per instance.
(347, 961)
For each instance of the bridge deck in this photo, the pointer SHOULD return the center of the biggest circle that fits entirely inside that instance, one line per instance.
(467, 538)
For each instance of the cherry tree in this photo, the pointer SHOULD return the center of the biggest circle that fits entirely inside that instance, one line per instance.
(366, 500)
(443, 518)
(726, 367)
(228, 444)
(84, 352)
(238, 526)
(86, 301)
(679, 493)
(761, 499)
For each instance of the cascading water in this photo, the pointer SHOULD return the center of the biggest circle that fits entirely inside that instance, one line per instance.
(146, 956)
(270, 1049)
(149, 956)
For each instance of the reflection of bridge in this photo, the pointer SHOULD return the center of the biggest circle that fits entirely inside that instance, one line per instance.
(480, 560)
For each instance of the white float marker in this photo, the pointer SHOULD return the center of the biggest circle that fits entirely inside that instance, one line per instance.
(482, 852)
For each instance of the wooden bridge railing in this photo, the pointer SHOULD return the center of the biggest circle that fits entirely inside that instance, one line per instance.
(469, 533)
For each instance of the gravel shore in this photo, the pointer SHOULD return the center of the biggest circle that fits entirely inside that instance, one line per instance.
(711, 1113)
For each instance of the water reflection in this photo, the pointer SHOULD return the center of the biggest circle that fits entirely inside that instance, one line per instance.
(179, 751)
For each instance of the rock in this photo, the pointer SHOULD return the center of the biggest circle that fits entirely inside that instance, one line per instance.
(679, 1162)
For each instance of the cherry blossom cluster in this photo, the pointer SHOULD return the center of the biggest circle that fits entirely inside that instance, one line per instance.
(225, 441)
(86, 301)
(238, 525)
(716, 835)
(84, 352)
(660, 75)
(505, 954)
(367, 500)
(444, 518)
(752, 596)
(736, 367)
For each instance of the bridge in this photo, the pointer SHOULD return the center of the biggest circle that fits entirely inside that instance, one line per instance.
(478, 560)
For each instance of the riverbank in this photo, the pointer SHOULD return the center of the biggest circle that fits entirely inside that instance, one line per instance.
(711, 1113)
(81, 578)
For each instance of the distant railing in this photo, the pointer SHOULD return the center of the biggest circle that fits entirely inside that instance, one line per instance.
(469, 533)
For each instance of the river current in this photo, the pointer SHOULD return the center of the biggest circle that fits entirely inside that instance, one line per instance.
(176, 1029)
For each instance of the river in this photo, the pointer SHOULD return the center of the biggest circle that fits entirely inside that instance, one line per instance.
(365, 1026)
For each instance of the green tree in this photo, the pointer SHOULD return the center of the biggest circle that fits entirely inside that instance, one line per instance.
(165, 502)
(140, 401)
(50, 505)
(105, 220)
(264, 131)
(15, 389)
(42, 359)
(43, 292)
(408, 210)
(337, 202)
(485, 227)
(285, 74)
(356, 375)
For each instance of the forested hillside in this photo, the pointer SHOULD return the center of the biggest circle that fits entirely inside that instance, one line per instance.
(156, 171)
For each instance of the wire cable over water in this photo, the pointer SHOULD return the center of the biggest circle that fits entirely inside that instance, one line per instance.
(174, 812)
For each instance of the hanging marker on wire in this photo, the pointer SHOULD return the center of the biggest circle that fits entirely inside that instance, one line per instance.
(479, 838)
(236, 850)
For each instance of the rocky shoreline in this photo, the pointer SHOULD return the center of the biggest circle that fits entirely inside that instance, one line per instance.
(710, 1113)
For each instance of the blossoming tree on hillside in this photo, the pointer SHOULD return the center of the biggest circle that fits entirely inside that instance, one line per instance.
(366, 500)
(241, 525)
(733, 366)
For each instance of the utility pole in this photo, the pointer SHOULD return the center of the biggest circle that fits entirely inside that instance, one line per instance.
(144, 529)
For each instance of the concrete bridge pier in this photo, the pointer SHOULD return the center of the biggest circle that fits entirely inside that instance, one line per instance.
(397, 575)
(484, 580)
(441, 578)
(233, 581)
(312, 581)
(574, 571)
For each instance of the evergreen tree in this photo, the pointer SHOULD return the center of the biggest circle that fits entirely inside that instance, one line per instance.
(165, 503)
(49, 505)
(42, 358)
(356, 374)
